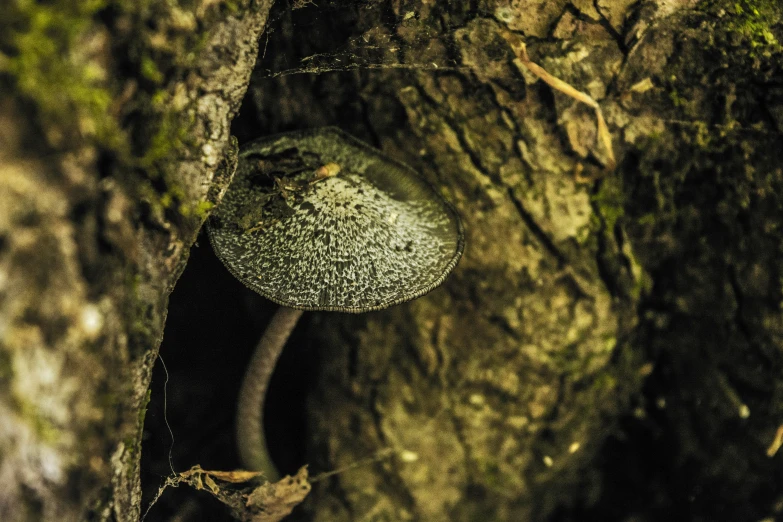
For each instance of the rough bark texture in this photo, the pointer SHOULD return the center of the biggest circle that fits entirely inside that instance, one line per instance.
(114, 126)
(609, 348)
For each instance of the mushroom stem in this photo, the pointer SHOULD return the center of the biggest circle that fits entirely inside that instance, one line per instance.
(250, 410)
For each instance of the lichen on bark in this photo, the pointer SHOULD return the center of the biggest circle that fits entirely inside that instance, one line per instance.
(115, 143)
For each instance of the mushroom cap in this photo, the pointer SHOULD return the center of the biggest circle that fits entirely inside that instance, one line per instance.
(317, 220)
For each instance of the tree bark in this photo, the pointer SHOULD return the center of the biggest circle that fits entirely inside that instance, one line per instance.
(115, 144)
(610, 344)
(609, 348)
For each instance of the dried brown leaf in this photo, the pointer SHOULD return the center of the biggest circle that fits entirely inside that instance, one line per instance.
(269, 502)
(272, 501)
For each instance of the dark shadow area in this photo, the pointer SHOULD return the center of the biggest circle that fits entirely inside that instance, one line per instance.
(212, 327)
(214, 322)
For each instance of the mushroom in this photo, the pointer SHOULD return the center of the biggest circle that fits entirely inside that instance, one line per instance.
(317, 220)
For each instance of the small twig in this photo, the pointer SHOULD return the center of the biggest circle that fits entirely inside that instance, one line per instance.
(520, 50)
(777, 442)
(329, 170)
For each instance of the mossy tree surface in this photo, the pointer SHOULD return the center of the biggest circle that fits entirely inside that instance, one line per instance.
(610, 345)
(114, 144)
(608, 348)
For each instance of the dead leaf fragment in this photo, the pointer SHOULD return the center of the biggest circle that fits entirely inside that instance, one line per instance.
(274, 500)
(269, 502)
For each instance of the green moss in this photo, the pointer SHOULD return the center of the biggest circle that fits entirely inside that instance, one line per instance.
(132, 442)
(6, 367)
(172, 196)
(150, 71)
(172, 129)
(643, 283)
(232, 6)
(58, 56)
(143, 408)
(200, 209)
(609, 201)
(50, 63)
(43, 427)
(676, 98)
(604, 382)
(138, 312)
(647, 220)
(751, 22)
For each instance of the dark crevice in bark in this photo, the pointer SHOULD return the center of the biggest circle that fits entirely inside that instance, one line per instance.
(537, 231)
(610, 30)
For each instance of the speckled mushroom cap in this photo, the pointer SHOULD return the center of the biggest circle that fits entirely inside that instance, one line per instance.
(317, 220)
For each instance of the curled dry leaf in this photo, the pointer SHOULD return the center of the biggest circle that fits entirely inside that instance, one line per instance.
(269, 502)
(234, 477)
(274, 500)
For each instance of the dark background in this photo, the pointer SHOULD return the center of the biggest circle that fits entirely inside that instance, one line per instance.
(212, 327)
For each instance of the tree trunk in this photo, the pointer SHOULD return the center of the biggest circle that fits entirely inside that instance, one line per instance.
(610, 346)
(115, 143)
